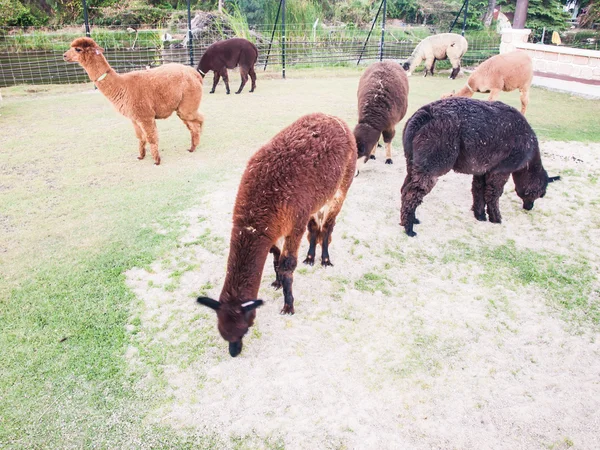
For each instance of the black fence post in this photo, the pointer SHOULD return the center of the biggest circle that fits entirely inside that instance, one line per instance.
(283, 36)
(86, 19)
(382, 30)
(190, 35)
(273, 34)
(369, 35)
(465, 18)
(457, 16)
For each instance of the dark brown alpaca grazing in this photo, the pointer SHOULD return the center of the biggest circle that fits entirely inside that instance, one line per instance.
(300, 177)
(489, 140)
(229, 54)
(382, 103)
(144, 95)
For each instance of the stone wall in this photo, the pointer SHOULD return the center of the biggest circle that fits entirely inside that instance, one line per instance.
(564, 62)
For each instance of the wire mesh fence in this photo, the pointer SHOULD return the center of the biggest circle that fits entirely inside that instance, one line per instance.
(34, 56)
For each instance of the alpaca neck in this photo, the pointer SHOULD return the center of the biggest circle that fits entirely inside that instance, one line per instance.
(247, 255)
(109, 82)
(466, 91)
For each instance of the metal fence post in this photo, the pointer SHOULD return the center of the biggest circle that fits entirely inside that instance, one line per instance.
(86, 19)
(382, 31)
(283, 36)
(273, 34)
(465, 18)
(369, 35)
(190, 35)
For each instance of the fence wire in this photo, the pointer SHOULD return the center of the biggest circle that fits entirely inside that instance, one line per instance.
(34, 56)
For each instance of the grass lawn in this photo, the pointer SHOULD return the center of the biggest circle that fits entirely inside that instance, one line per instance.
(78, 211)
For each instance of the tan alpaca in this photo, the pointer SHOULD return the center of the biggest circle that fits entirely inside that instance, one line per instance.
(450, 46)
(505, 72)
(144, 95)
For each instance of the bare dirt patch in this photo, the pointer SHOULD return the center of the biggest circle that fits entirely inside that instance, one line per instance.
(440, 341)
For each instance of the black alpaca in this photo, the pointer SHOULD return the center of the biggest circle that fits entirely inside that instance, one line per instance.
(489, 140)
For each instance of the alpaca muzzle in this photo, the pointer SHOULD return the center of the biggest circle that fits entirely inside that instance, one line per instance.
(235, 348)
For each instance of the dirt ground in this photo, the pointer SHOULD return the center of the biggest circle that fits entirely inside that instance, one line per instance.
(405, 343)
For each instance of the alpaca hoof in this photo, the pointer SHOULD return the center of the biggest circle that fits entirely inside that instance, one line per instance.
(238, 92)
(310, 260)
(389, 161)
(481, 217)
(191, 150)
(276, 284)
(228, 92)
(416, 221)
(411, 233)
(326, 262)
(372, 157)
(140, 157)
(212, 92)
(287, 309)
(251, 90)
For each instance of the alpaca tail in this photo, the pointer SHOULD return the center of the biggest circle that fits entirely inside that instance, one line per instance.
(415, 123)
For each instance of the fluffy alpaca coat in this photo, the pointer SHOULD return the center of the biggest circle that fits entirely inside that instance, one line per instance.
(489, 140)
(300, 177)
(382, 103)
(439, 46)
(144, 95)
(505, 72)
(229, 54)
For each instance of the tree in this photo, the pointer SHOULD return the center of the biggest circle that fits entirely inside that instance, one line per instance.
(520, 14)
(489, 14)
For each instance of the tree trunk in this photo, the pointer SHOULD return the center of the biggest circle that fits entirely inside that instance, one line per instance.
(520, 14)
(221, 5)
(489, 14)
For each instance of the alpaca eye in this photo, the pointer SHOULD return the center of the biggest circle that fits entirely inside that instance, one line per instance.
(78, 50)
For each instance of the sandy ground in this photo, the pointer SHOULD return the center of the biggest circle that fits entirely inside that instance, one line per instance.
(401, 344)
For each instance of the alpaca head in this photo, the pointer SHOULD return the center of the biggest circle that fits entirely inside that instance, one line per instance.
(83, 51)
(234, 320)
(366, 139)
(531, 184)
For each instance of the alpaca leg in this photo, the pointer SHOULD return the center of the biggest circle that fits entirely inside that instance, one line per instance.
(151, 133)
(313, 237)
(276, 252)
(493, 95)
(428, 65)
(494, 187)
(244, 75)
(524, 98)
(225, 77)
(455, 70)
(215, 81)
(287, 265)
(478, 190)
(142, 140)
(331, 210)
(413, 192)
(388, 135)
(252, 74)
(194, 122)
(433, 66)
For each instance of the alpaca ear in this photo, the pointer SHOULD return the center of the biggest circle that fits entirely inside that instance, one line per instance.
(552, 179)
(251, 305)
(99, 50)
(212, 304)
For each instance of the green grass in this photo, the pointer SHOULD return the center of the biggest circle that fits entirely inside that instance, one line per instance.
(567, 282)
(78, 210)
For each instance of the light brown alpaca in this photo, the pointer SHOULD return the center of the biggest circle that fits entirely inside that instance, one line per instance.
(506, 72)
(144, 95)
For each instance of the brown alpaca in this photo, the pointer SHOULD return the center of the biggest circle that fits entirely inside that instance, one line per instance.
(144, 95)
(300, 177)
(382, 103)
(229, 54)
(505, 72)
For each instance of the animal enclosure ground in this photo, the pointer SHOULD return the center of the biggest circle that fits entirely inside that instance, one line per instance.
(471, 335)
